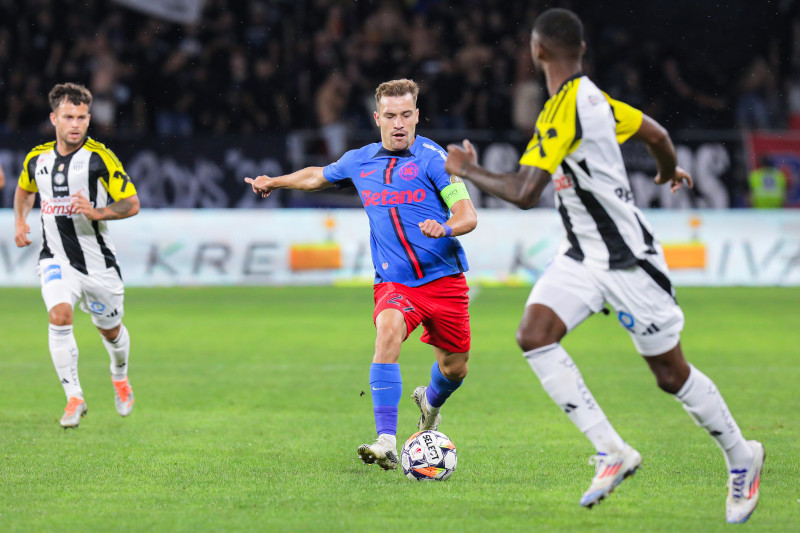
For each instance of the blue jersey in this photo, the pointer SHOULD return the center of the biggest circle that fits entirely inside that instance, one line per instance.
(399, 190)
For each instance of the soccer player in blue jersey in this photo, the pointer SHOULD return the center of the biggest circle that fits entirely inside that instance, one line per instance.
(415, 210)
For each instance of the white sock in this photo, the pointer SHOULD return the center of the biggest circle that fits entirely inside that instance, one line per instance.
(705, 405)
(64, 352)
(118, 351)
(562, 380)
(390, 438)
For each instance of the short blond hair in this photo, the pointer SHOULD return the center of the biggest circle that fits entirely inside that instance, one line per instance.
(396, 88)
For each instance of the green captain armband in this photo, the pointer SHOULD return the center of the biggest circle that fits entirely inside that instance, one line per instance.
(454, 192)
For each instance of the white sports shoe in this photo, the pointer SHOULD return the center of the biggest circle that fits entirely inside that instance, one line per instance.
(382, 451)
(123, 396)
(75, 409)
(743, 487)
(610, 470)
(430, 417)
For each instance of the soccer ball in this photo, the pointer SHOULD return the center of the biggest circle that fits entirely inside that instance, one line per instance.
(428, 455)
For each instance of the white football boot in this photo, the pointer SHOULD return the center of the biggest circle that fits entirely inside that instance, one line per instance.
(610, 470)
(429, 417)
(743, 487)
(75, 409)
(383, 452)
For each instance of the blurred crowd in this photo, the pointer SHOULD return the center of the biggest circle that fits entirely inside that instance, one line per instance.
(274, 65)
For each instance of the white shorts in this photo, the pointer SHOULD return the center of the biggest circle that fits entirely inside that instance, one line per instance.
(101, 294)
(642, 298)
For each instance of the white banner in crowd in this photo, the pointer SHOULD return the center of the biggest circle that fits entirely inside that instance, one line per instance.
(308, 246)
(181, 11)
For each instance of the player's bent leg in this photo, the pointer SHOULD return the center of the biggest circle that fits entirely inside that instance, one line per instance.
(701, 399)
(563, 382)
(64, 350)
(386, 386)
(447, 375)
(117, 343)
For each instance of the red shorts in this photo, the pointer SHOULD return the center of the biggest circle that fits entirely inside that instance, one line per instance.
(442, 306)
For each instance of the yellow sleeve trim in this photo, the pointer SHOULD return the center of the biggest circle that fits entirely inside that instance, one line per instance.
(27, 182)
(628, 119)
(454, 192)
(118, 184)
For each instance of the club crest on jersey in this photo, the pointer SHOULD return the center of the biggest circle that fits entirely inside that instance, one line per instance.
(61, 167)
(385, 265)
(59, 178)
(408, 171)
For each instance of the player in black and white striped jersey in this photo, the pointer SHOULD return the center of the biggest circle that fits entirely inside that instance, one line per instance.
(609, 255)
(81, 184)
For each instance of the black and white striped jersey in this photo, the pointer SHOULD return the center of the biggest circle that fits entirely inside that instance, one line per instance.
(577, 138)
(94, 171)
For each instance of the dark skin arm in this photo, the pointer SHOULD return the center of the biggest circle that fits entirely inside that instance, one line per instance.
(660, 145)
(523, 188)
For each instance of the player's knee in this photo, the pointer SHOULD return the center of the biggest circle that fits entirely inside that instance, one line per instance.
(532, 338)
(110, 334)
(455, 368)
(669, 380)
(61, 315)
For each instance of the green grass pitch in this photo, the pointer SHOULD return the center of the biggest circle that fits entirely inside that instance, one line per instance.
(251, 402)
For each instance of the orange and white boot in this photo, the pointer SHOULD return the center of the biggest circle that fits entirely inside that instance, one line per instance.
(75, 409)
(123, 396)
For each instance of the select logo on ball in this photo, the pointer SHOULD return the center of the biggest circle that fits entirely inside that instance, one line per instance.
(428, 456)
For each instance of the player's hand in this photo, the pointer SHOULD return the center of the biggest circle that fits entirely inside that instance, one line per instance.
(431, 228)
(22, 229)
(676, 180)
(82, 206)
(261, 185)
(458, 158)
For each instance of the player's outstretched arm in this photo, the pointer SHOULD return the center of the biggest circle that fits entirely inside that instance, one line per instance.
(463, 220)
(523, 188)
(307, 179)
(122, 208)
(23, 203)
(660, 145)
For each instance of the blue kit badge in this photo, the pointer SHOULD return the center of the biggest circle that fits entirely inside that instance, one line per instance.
(52, 272)
(626, 320)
